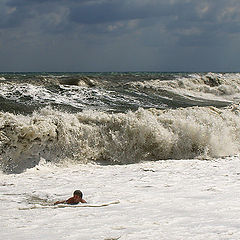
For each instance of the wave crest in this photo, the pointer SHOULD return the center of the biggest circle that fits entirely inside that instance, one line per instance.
(117, 138)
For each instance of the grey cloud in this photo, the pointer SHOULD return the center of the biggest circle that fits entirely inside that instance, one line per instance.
(175, 14)
(115, 11)
(154, 26)
(10, 16)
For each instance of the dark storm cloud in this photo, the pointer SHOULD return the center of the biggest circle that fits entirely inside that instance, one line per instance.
(112, 11)
(147, 26)
(174, 14)
(82, 12)
(10, 16)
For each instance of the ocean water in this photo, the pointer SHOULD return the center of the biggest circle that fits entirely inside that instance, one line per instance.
(155, 154)
(116, 118)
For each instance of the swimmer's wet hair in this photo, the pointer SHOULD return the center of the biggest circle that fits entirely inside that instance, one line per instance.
(78, 193)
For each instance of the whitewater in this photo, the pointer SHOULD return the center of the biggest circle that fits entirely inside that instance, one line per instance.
(155, 154)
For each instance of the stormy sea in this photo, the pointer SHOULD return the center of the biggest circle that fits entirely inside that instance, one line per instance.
(155, 154)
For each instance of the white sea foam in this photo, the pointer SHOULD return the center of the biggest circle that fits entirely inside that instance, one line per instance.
(170, 200)
(71, 96)
(118, 138)
(40, 94)
(198, 87)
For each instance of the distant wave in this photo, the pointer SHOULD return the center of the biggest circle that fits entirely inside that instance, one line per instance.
(198, 89)
(117, 92)
(195, 132)
(25, 98)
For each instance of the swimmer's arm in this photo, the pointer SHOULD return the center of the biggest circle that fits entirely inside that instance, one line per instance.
(83, 201)
(59, 202)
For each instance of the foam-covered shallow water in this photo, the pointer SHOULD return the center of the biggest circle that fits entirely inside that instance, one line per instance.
(173, 199)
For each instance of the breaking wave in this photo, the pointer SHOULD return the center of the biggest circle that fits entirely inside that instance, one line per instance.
(198, 89)
(146, 134)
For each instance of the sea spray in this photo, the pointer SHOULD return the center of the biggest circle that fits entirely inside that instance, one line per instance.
(117, 138)
(197, 89)
(211, 83)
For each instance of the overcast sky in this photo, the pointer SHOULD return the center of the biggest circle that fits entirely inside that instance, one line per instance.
(119, 35)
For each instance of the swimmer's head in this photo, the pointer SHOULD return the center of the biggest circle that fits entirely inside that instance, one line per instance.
(78, 193)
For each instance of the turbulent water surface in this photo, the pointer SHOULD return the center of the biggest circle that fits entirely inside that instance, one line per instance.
(117, 117)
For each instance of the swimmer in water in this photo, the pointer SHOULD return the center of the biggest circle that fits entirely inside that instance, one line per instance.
(77, 198)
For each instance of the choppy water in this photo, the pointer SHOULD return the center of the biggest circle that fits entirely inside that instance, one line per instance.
(117, 117)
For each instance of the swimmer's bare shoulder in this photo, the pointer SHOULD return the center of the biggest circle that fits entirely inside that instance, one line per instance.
(77, 198)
